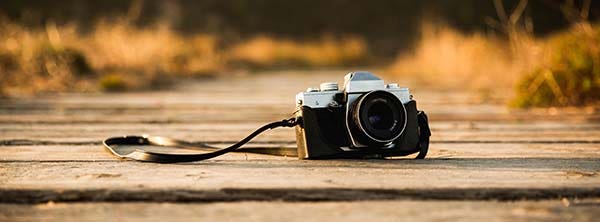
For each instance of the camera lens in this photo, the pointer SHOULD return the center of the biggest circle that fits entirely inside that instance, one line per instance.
(378, 117)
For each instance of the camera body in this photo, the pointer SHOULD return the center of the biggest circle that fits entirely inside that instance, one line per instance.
(365, 119)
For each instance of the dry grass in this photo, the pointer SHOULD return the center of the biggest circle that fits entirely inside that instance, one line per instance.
(131, 57)
(263, 51)
(559, 70)
(157, 49)
(117, 55)
(448, 59)
(31, 59)
(568, 73)
(59, 58)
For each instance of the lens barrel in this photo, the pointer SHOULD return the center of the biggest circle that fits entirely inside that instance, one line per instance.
(377, 117)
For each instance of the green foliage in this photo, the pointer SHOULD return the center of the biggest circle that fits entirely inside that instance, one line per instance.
(113, 83)
(570, 77)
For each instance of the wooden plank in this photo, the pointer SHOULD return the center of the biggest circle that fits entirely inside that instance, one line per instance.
(50, 149)
(33, 196)
(86, 135)
(581, 210)
(442, 126)
(530, 132)
(268, 113)
(91, 135)
(259, 97)
(279, 86)
(554, 210)
(95, 152)
(504, 177)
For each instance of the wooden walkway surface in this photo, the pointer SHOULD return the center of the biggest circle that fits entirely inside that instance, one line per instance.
(484, 160)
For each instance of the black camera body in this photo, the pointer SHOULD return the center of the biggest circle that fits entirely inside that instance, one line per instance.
(365, 119)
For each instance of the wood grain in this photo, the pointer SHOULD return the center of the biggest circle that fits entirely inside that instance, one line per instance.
(481, 152)
(556, 210)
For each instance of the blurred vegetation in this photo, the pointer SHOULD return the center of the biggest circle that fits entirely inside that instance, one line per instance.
(569, 74)
(117, 55)
(445, 58)
(113, 83)
(546, 49)
(560, 69)
(262, 52)
(387, 26)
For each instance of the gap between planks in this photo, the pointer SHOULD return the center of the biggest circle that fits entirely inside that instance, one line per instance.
(28, 142)
(30, 196)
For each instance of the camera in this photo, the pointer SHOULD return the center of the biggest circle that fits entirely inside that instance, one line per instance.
(364, 119)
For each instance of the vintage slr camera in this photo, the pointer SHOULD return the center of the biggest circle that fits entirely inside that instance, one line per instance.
(365, 119)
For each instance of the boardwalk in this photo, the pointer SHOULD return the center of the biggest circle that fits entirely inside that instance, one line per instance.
(484, 160)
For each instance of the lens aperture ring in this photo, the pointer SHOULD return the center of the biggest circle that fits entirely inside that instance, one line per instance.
(378, 117)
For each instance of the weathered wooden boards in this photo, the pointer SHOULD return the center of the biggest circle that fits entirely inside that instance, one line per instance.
(50, 151)
(555, 210)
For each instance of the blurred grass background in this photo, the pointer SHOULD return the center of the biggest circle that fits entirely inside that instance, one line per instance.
(541, 52)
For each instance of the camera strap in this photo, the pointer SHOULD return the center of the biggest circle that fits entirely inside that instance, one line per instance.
(424, 134)
(115, 146)
(118, 146)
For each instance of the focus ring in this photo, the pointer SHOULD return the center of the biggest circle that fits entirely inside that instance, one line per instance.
(378, 117)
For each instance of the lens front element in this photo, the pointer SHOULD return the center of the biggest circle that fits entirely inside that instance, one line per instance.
(379, 117)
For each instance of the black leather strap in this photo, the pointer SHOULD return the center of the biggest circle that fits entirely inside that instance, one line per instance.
(112, 144)
(424, 134)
